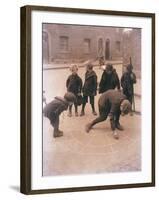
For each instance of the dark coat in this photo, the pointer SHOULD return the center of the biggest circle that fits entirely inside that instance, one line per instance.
(109, 102)
(90, 84)
(74, 84)
(127, 81)
(109, 81)
(55, 108)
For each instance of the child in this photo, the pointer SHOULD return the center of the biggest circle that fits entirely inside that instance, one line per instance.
(53, 110)
(128, 79)
(74, 85)
(112, 103)
(89, 88)
(109, 79)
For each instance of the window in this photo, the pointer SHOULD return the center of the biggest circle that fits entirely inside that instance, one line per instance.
(87, 45)
(64, 43)
(118, 45)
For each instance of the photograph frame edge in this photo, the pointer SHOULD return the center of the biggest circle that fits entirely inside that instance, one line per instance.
(25, 96)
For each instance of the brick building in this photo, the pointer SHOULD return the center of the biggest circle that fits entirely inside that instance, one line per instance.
(75, 43)
(132, 48)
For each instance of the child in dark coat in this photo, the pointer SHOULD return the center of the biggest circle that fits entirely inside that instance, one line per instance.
(128, 80)
(109, 79)
(113, 104)
(53, 110)
(74, 85)
(89, 88)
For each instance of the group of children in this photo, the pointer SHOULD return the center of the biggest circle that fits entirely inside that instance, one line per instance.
(111, 103)
(89, 89)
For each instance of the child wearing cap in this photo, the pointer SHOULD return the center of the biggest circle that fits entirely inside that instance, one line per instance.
(109, 79)
(112, 103)
(89, 89)
(53, 110)
(128, 80)
(74, 85)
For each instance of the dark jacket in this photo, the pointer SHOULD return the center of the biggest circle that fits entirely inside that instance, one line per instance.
(90, 84)
(110, 101)
(127, 81)
(109, 81)
(55, 108)
(74, 84)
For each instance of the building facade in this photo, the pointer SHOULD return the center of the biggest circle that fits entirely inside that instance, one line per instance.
(75, 43)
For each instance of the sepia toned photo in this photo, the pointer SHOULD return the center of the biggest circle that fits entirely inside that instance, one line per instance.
(87, 99)
(91, 90)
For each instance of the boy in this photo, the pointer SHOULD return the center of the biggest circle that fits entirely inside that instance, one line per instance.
(109, 79)
(128, 79)
(74, 85)
(53, 110)
(89, 88)
(113, 104)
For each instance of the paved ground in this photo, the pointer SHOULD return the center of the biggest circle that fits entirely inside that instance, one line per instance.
(79, 152)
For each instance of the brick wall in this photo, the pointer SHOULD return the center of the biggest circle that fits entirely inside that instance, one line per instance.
(74, 43)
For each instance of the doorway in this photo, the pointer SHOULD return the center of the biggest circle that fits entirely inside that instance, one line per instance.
(107, 49)
(45, 47)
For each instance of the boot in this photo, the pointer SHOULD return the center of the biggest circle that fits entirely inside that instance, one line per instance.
(94, 112)
(76, 114)
(57, 133)
(119, 127)
(115, 135)
(131, 113)
(76, 111)
(88, 127)
(69, 114)
(82, 113)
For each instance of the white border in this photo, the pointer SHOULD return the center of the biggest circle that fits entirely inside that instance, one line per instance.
(39, 182)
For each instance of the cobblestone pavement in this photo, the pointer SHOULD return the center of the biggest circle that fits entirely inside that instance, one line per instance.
(78, 152)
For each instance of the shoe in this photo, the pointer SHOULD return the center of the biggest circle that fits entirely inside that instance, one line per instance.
(58, 134)
(76, 114)
(94, 113)
(119, 127)
(116, 135)
(59, 131)
(131, 113)
(88, 127)
(82, 113)
(69, 114)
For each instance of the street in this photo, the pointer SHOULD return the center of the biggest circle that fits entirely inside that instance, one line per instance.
(78, 152)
